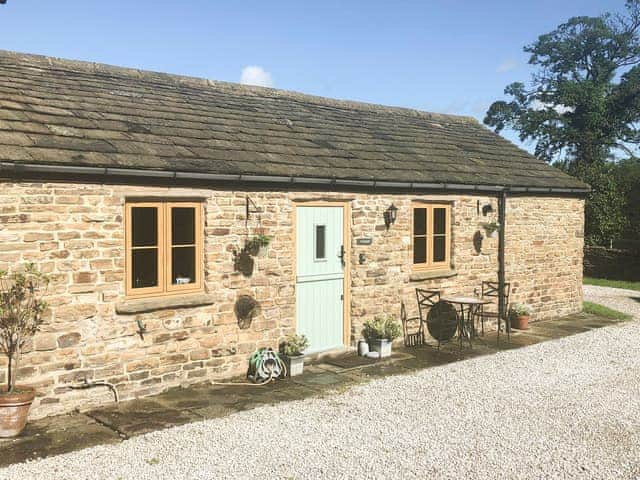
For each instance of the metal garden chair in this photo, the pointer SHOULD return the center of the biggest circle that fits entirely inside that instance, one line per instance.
(492, 290)
(411, 328)
(426, 299)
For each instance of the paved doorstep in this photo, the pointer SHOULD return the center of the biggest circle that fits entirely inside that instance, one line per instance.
(114, 423)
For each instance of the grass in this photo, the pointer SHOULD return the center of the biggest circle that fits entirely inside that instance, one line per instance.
(602, 311)
(603, 282)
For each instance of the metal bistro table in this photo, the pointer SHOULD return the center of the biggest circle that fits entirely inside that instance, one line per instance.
(467, 307)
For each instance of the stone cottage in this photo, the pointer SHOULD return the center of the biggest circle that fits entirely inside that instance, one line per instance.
(146, 197)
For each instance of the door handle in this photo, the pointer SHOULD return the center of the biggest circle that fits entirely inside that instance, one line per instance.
(341, 256)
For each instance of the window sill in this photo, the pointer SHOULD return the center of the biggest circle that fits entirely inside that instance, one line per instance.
(431, 274)
(141, 305)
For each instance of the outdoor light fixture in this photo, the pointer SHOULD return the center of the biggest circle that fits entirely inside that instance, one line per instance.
(390, 215)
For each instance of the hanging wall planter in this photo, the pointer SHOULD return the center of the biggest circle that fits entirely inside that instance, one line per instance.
(257, 244)
(491, 229)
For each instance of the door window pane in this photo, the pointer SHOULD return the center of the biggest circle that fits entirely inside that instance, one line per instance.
(439, 221)
(419, 221)
(144, 263)
(183, 262)
(321, 253)
(144, 226)
(183, 225)
(419, 250)
(439, 244)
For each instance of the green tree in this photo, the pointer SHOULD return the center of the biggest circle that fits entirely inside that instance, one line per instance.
(582, 107)
(627, 174)
(583, 101)
(605, 218)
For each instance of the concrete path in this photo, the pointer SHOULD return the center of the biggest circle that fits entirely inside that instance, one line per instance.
(627, 301)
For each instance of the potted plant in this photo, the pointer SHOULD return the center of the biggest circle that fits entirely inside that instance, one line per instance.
(380, 332)
(292, 349)
(491, 228)
(519, 314)
(21, 309)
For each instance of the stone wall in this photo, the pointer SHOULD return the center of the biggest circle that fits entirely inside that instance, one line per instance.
(75, 233)
(612, 263)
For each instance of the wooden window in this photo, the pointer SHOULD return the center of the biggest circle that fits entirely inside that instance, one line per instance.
(164, 248)
(431, 236)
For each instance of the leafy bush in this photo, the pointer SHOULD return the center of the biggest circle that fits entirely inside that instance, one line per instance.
(381, 327)
(294, 345)
(519, 310)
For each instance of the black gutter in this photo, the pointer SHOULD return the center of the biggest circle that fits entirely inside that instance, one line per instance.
(26, 168)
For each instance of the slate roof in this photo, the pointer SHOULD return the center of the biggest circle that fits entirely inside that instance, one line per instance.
(62, 112)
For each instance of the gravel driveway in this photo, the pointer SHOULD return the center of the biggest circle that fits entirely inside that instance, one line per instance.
(568, 408)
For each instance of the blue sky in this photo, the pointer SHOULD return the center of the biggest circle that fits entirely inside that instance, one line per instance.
(443, 56)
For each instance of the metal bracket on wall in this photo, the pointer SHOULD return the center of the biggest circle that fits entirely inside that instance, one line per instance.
(251, 207)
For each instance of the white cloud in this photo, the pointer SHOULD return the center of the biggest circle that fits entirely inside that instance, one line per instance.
(507, 65)
(560, 109)
(255, 75)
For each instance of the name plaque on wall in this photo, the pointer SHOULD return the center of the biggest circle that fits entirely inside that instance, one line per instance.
(364, 241)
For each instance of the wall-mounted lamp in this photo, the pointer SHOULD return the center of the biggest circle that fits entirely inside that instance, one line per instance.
(390, 215)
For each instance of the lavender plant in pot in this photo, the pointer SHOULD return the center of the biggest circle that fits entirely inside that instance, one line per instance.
(21, 308)
(380, 333)
(293, 348)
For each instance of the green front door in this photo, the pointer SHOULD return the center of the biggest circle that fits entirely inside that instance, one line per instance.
(320, 276)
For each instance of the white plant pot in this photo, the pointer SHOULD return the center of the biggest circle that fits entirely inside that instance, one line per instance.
(382, 346)
(363, 348)
(295, 365)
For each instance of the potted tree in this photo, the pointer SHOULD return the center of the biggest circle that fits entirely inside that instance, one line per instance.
(519, 314)
(292, 349)
(21, 309)
(380, 333)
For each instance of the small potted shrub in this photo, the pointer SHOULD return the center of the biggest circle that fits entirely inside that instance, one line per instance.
(380, 333)
(292, 349)
(519, 314)
(21, 309)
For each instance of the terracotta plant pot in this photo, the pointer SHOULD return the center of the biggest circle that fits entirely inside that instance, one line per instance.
(520, 323)
(14, 410)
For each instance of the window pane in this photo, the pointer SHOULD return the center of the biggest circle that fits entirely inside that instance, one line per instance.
(144, 264)
(144, 226)
(419, 250)
(419, 221)
(320, 242)
(183, 225)
(439, 248)
(439, 221)
(183, 265)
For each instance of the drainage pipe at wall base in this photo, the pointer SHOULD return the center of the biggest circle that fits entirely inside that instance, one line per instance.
(89, 384)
